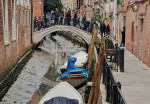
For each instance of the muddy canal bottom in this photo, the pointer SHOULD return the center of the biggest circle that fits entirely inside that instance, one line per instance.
(42, 72)
(62, 49)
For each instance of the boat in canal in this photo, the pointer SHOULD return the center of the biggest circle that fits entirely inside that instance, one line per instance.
(82, 58)
(75, 77)
(63, 93)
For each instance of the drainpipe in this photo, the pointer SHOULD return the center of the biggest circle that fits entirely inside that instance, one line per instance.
(31, 20)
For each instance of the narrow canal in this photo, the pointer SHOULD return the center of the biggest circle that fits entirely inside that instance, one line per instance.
(42, 71)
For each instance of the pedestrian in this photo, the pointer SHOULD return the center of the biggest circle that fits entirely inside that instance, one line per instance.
(56, 14)
(103, 29)
(61, 17)
(42, 22)
(88, 25)
(91, 25)
(35, 23)
(68, 17)
(123, 38)
(51, 18)
(39, 23)
(75, 18)
(101, 33)
(84, 21)
(107, 29)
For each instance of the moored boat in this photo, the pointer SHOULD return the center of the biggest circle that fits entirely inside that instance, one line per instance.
(75, 77)
(63, 93)
(81, 60)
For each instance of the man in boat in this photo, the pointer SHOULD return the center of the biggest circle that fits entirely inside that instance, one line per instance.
(71, 62)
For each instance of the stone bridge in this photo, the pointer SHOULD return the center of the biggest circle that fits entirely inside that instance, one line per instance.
(38, 36)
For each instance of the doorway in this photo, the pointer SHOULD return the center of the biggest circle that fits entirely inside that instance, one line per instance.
(141, 40)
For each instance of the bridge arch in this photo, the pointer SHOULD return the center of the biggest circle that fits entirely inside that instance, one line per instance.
(38, 36)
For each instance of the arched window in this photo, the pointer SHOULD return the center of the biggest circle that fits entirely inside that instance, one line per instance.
(5, 21)
(4, 6)
(13, 20)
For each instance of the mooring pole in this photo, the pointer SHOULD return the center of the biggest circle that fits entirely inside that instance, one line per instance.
(91, 49)
(97, 89)
(97, 74)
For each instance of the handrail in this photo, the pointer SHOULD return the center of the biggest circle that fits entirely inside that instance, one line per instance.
(113, 93)
(122, 99)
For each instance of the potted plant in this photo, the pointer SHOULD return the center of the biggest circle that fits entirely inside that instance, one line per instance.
(109, 46)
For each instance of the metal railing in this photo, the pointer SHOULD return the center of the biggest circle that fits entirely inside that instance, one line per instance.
(116, 55)
(113, 87)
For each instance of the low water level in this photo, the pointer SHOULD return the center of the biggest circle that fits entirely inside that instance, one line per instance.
(42, 71)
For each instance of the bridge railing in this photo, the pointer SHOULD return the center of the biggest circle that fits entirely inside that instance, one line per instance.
(113, 87)
(66, 22)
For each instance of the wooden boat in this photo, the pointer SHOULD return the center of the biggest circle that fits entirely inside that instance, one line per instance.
(75, 77)
(63, 92)
(81, 60)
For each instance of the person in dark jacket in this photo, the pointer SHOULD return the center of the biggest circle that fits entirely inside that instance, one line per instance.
(35, 23)
(107, 29)
(84, 21)
(101, 33)
(91, 25)
(68, 17)
(103, 29)
(123, 38)
(56, 14)
(75, 18)
(61, 17)
(88, 25)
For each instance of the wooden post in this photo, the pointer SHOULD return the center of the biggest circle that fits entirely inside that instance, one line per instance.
(93, 82)
(97, 72)
(91, 49)
(99, 76)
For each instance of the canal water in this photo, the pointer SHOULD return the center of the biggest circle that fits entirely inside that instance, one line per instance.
(41, 73)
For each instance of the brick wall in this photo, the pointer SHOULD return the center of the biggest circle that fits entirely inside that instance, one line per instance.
(133, 30)
(15, 48)
(38, 8)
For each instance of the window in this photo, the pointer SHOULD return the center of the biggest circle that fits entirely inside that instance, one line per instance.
(5, 21)
(23, 17)
(29, 18)
(13, 21)
(26, 17)
(4, 6)
(81, 2)
(13, 9)
(18, 16)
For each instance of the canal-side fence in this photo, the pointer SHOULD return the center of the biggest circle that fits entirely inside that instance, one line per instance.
(113, 87)
(116, 56)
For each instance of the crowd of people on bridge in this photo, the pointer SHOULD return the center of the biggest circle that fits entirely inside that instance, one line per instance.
(68, 18)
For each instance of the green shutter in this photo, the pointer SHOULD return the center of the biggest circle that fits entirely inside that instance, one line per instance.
(121, 1)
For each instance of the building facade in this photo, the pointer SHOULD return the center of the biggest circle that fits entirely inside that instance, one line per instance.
(15, 30)
(38, 8)
(137, 27)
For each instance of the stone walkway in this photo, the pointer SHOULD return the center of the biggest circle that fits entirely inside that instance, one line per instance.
(135, 80)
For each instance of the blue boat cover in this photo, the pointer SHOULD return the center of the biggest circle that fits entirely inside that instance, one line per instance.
(61, 100)
(71, 62)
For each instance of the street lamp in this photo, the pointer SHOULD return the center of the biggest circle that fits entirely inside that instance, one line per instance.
(135, 7)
